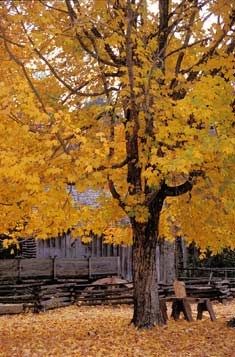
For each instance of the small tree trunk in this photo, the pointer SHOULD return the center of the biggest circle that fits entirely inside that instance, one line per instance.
(147, 311)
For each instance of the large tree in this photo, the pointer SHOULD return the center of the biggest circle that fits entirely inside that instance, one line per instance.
(134, 101)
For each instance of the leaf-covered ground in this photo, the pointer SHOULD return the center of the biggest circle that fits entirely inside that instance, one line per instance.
(106, 331)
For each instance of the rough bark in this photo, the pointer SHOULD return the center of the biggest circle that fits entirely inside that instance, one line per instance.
(147, 311)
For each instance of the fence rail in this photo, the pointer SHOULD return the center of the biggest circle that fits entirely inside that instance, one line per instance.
(53, 268)
(225, 272)
(43, 295)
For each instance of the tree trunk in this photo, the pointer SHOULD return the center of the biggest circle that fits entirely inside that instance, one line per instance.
(147, 311)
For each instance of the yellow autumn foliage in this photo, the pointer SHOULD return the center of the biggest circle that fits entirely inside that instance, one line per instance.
(91, 96)
(106, 332)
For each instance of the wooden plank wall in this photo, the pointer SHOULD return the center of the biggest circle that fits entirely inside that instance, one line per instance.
(65, 247)
(9, 269)
(53, 268)
(166, 262)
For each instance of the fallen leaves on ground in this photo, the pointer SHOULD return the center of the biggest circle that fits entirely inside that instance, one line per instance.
(106, 331)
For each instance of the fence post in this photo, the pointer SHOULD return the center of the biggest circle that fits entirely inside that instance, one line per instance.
(54, 267)
(37, 292)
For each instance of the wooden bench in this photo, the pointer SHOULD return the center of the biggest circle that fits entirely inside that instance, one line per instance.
(182, 303)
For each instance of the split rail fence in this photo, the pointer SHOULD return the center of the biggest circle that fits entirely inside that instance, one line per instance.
(42, 284)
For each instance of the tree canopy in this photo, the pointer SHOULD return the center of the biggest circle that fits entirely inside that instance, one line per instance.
(174, 72)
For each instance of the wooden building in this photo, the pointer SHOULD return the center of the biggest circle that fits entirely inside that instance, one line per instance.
(66, 247)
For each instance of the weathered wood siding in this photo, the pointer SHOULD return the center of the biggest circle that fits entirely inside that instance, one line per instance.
(32, 268)
(50, 268)
(67, 248)
(166, 262)
(9, 269)
(125, 254)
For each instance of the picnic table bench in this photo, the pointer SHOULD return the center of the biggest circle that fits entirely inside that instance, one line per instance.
(182, 303)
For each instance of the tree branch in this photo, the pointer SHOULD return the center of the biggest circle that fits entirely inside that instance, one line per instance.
(183, 47)
(207, 55)
(121, 164)
(52, 7)
(173, 191)
(163, 27)
(10, 41)
(17, 61)
(115, 194)
(71, 12)
(179, 190)
(107, 47)
(73, 17)
(129, 57)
